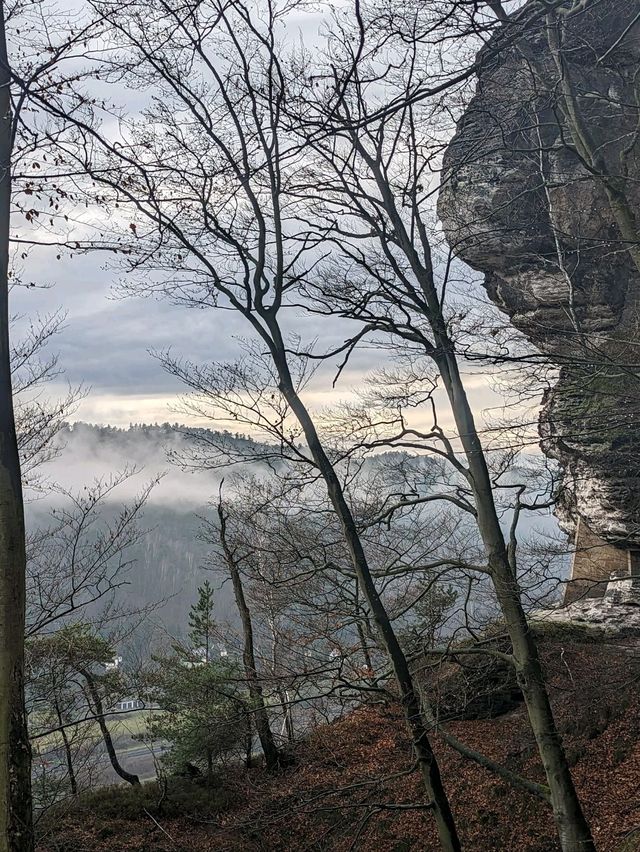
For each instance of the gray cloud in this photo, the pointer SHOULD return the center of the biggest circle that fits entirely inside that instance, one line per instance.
(106, 341)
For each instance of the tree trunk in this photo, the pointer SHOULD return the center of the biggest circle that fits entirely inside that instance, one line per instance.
(106, 734)
(573, 829)
(67, 753)
(361, 634)
(287, 721)
(498, 9)
(288, 718)
(209, 754)
(16, 826)
(248, 748)
(260, 715)
(426, 760)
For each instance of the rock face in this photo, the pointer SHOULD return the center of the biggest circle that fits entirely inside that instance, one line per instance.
(520, 205)
(616, 613)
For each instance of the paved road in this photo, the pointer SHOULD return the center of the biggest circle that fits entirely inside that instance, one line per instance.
(139, 758)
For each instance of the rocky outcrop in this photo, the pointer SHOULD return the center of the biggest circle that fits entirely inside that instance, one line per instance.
(521, 205)
(617, 613)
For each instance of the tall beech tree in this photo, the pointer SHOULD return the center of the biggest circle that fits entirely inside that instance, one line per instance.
(388, 273)
(37, 99)
(16, 829)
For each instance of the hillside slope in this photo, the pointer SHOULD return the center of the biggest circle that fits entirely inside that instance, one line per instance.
(352, 788)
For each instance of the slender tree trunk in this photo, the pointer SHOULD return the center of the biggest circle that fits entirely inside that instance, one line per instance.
(67, 753)
(363, 645)
(106, 734)
(287, 722)
(248, 749)
(260, 715)
(426, 760)
(209, 754)
(361, 634)
(288, 718)
(16, 827)
(573, 829)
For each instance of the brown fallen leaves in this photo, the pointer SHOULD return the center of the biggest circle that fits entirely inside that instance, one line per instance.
(352, 786)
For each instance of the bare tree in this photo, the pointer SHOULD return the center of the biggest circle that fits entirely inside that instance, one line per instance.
(375, 173)
(238, 249)
(38, 417)
(15, 765)
(260, 715)
(78, 562)
(22, 75)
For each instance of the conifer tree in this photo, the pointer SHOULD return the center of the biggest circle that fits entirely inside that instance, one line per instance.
(202, 625)
(205, 711)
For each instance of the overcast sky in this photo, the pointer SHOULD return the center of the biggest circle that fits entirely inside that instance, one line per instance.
(106, 340)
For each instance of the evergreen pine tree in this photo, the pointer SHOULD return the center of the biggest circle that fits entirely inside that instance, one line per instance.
(206, 709)
(202, 625)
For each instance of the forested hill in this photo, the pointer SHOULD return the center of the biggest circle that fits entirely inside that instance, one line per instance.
(169, 560)
(87, 451)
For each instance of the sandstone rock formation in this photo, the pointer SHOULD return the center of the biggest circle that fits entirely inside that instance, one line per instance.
(522, 203)
(616, 613)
